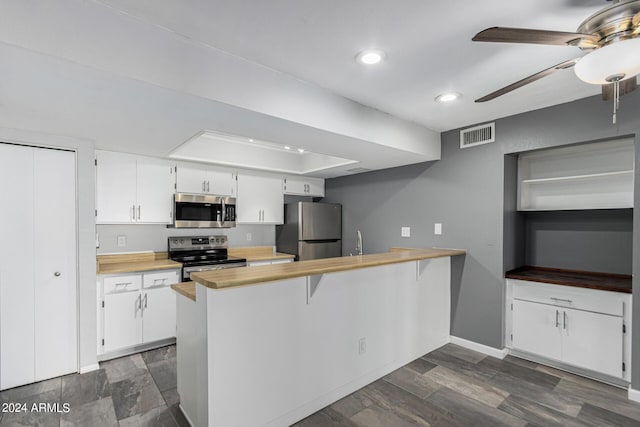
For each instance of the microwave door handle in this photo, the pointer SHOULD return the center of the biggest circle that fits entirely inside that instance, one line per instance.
(224, 211)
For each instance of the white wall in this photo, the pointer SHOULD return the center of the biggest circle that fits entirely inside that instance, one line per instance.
(86, 229)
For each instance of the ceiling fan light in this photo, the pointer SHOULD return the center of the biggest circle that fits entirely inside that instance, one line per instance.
(600, 66)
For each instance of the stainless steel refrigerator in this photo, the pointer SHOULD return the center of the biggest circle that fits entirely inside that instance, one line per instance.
(311, 230)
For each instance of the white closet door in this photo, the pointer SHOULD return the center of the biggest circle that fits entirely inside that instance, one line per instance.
(55, 271)
(16, 266)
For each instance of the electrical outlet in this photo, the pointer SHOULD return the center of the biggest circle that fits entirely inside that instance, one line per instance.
(405, 232)
(362, 346)
(249, 237)
(437, 229)
(122, 241)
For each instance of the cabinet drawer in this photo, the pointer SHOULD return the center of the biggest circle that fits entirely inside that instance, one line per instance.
(597, 301)
(164, 278)
(122, 283)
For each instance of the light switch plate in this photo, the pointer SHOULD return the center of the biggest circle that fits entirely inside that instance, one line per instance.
(405, 232)
(122, 241)
(437, 229)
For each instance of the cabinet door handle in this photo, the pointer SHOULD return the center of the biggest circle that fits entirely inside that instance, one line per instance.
(562, 300)
(133, 212)
(557, 321)
(138, 212)
(145, 300)
(139, 302)
(564, 320)
(204, 188)
(208, 186)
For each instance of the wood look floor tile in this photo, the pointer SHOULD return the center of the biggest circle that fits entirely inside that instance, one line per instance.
(406, 405)
(584, 382)
(561, 402)
(420, 366)
(409, 381)
(472, 411)
(522, 362)
(537, 414)
(474, 370)
(479, 390)
(352, 404)
(462, 353)
(324, 418)
(600, 417)
(606, 400)
(378, 417)
(523, 373)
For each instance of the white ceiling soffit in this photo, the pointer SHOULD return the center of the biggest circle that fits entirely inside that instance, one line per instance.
(233, 150)
(98, 36)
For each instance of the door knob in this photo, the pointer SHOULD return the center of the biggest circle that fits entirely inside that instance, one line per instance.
(57, 274)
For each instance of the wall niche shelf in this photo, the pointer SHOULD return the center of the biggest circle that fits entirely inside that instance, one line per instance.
(587, 176)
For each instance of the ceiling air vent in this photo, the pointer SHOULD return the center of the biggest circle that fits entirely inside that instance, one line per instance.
(478, 135)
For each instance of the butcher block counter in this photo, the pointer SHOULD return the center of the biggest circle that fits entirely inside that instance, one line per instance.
(306, 333)
(232, 277)
(133, 262)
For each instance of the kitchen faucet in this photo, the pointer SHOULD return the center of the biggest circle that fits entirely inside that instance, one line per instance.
(359, 242)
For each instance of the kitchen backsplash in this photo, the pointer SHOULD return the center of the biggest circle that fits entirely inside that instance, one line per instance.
(154, 237)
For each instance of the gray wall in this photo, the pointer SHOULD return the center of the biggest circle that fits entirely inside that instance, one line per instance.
(154, 237)
(465, 191)
(600, 240)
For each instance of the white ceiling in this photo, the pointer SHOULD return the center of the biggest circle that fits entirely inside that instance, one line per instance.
(277, 69)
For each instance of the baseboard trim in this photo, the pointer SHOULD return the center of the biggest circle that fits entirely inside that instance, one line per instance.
(634, 394)
(481, 348)
(89, 368)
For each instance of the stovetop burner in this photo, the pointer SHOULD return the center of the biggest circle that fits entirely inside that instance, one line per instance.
(199, 253)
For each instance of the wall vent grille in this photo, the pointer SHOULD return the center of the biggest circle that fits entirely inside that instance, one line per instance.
(478, 135)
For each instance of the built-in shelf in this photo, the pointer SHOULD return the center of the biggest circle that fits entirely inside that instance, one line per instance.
(588, 176)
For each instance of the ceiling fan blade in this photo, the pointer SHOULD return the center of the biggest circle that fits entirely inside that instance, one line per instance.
(525, 35)
(626, 86)
(635, 21)
(532, 78)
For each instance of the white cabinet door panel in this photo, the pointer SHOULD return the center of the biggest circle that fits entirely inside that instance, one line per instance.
(536, 329)
(122, 320)
(16, 269)
(592, 341)
(221, 183)
(154, 191)
(272, 201)
(159, 315)
(190, 180)
(55, 252)
(115, 188)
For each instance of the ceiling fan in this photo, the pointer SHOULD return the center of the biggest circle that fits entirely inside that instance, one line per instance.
(611, 37)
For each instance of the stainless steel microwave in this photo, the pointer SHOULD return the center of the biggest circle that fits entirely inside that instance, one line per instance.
(203, 211)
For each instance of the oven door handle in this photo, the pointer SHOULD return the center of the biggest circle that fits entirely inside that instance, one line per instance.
(224, 212)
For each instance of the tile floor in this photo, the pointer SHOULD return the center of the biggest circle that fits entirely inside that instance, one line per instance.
(451, 386)
(136, 390)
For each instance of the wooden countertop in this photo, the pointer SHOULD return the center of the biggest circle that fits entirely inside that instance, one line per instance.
(128, 263)
(187, 289)
(258, 253)
(579, 279)
(231, 277)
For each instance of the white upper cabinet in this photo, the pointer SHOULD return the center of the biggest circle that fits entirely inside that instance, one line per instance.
(133, 189)
(260, 199)
(303, 186)
(587, 176)
(205, 180)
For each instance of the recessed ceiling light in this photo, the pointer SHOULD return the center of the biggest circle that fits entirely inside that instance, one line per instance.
(250, 139)
(448, 97)
(300, 150)
(370, 57)
(286, 147)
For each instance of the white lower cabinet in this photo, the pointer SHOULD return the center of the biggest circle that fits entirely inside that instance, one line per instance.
(585, 328)
(136, 309)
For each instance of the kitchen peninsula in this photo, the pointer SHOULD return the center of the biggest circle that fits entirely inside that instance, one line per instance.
(270, 345)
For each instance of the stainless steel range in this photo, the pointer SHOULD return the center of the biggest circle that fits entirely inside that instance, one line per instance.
(202, 253)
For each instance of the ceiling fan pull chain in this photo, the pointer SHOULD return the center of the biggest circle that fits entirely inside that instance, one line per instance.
(616, 99)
